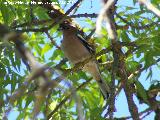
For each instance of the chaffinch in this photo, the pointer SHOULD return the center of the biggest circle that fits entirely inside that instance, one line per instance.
(76, 49)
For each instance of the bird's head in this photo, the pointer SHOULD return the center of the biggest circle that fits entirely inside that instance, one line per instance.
(68, 26)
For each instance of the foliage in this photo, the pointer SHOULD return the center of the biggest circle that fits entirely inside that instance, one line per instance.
(138, 32)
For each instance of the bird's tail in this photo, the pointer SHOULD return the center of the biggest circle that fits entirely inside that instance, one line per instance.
(105, 89)
(93, 69)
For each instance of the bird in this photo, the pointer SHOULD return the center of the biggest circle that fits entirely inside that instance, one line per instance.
(76, 49)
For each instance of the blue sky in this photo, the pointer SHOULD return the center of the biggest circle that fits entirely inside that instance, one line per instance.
(121, 102)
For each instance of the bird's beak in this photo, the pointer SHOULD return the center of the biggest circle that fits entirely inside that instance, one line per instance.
(60, 28)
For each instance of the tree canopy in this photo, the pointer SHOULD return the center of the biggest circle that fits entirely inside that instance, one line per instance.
(38, 82)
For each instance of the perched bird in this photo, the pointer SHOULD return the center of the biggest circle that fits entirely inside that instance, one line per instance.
(76, 49)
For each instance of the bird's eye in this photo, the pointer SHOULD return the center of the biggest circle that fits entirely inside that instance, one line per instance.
(65, 27)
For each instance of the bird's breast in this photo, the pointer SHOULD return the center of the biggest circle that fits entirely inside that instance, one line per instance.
(74, 50)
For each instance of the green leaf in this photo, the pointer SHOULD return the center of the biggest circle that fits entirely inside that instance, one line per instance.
(28, 101)
(141, 91)
(57, 55)
(4, 10)
(41, 13)
(150, 74)
(8, 12)
(132, 66)
(130, 8)
(125, 36)
(13, 83)
(134, 2)
(45, 49)
(148, 59)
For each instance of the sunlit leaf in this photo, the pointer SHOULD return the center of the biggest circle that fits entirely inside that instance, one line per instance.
(141, 91)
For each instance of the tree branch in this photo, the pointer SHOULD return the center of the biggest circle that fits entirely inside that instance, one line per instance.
(137, 27)
(66, 98)
(150, 7)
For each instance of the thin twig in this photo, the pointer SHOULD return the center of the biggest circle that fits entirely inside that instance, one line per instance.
(34, 22)
(52, 41)
(137, 27)
(148, 112)
(66, 98)
(93, 15)
(73, 7)
(107, 15)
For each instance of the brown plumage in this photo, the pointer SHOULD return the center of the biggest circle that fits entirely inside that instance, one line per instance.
(76, 49)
